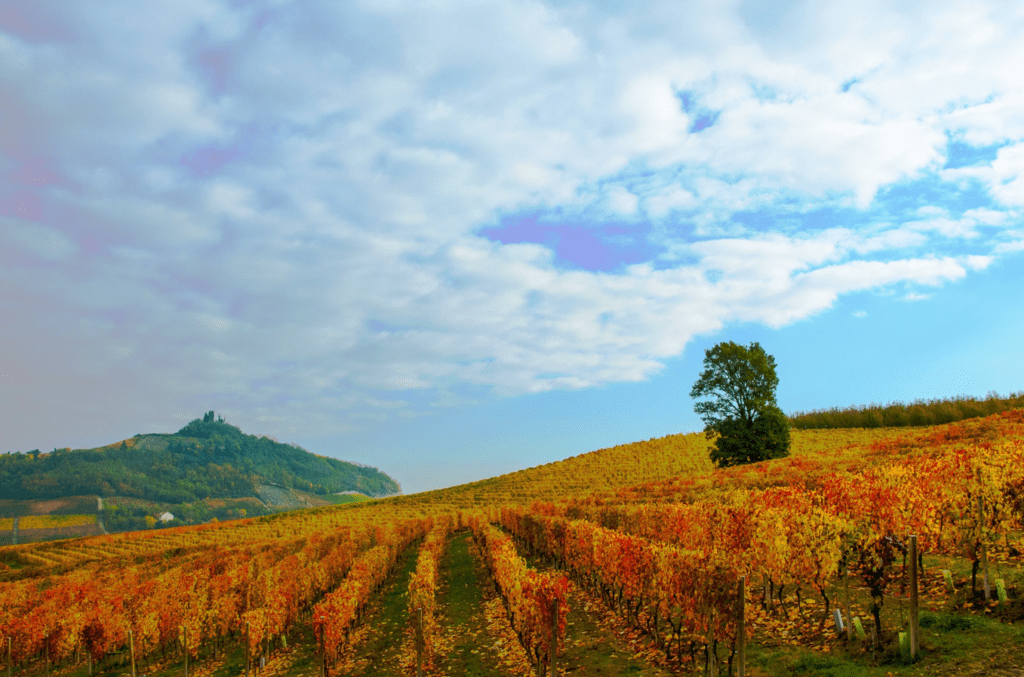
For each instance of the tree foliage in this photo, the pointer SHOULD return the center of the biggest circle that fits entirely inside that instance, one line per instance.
(742, 413)
(917, 413)
(739, 442)
(207, 457)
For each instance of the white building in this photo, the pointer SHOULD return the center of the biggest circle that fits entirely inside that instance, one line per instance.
(165, 517)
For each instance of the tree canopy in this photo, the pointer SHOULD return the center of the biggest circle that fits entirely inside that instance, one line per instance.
(742, 414)
(207, 457)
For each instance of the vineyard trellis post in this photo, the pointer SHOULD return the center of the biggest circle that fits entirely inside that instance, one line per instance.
(846, 602)
(131, 649)
(554, 638)
(742, 629)
(914, 630)
(712, 654)
(185, 629)
(247, 666)
(419, 641)
(46, 649)
(9, 664)
(323, 647)
(984, 550)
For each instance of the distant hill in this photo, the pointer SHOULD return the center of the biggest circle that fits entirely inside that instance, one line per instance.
(207, 458)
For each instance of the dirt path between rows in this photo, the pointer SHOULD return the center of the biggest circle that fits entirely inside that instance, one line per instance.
(99, 514)
(597, 641)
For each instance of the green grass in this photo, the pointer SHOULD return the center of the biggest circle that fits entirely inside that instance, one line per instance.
(826, 666)
(465, 589)
(386, 619)
(591, 648)
(952, 644)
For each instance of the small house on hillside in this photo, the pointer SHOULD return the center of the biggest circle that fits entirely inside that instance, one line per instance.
(165, 517)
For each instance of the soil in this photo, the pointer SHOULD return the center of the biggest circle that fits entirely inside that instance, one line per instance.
(29, 535)
(68, 505)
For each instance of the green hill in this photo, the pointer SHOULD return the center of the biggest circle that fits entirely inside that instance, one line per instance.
(206, 458)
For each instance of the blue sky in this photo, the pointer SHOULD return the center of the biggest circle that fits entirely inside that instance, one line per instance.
(454, 239)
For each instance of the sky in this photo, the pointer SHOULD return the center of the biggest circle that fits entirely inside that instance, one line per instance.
(453, 239)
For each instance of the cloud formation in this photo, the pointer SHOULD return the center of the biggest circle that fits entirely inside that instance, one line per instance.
(291, 206)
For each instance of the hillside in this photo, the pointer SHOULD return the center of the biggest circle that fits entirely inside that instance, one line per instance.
(606, 472)
(206, 458)
(652, 538)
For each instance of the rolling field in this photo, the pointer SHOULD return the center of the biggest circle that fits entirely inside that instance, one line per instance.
(72, 505)
(623, 561)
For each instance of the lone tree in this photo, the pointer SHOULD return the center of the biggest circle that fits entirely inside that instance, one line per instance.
(743, 412)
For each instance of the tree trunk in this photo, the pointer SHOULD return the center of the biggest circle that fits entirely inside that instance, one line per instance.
(876, 611)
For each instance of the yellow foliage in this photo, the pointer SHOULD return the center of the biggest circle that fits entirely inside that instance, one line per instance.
(54, 521)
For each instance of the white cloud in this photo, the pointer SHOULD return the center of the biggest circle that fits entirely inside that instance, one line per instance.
(891, 238)
(1009, 247)
(824, 144)
(807, 293)
(660, 204)
(36, 239)
(657, 119)
(230, 199)
(978, 262)
(988, 217)
(329, 255)
(963, 228)
(1006, 175)
(622, 201)
(966, 227)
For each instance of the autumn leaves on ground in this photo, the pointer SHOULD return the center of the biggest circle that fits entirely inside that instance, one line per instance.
(645, 535)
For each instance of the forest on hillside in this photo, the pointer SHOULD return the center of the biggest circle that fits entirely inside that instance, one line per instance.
(206, 458)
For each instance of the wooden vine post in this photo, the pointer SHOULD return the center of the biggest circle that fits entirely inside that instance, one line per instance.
(185, 629)
(323, 647)
(984, 550)
(712, 654)
(419, 641)
(131, 648)
(46, 648)
(247, 665)
(9, 664)
(846, 602)
(914, 629)
(552, 672)
(742, 629)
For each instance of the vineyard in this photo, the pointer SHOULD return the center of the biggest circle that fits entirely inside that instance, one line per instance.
(56, 521)
(867, 551)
